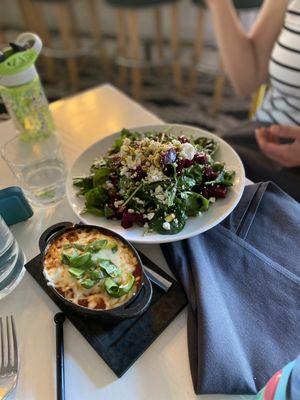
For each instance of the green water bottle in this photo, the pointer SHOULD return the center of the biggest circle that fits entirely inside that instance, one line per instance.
(21, 88)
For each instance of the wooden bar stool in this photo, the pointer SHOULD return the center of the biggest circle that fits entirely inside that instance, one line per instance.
(34, 13)
(32, 22)
(198, 64)
(129, 42)
(93, 7)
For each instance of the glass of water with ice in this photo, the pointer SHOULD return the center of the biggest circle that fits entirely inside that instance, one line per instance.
(12, 261)
(39, 167)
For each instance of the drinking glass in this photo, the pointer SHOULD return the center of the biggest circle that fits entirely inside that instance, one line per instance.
(39, 167)
(12, 261)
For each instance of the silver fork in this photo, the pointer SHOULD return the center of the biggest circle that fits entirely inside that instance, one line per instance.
(9, 366)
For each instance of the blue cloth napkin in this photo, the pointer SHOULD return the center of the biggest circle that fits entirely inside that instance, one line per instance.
(242, 280)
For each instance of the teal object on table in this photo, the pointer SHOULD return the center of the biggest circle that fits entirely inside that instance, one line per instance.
(13, 205)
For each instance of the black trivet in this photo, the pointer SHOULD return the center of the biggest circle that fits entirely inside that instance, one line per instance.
(122, 344)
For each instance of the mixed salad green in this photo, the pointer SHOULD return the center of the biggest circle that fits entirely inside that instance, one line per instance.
(155, 180)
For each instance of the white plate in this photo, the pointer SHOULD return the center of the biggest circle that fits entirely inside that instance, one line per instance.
(216, 213)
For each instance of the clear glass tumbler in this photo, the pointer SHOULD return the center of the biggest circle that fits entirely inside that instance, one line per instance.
(39, 167)
(12, 261)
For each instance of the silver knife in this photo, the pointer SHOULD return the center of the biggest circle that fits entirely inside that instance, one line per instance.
(159, 280)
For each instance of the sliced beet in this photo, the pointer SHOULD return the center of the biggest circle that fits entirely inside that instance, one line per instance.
(217, 191)
(209, 174)
(128, 219)
(183, 139)
(139, 173)
(183, 163)
(200, 158)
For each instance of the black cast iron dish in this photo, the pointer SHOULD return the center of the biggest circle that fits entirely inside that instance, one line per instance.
(134, 307)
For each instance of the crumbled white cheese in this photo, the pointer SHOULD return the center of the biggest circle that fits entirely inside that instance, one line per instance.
(124, 171)
(154, 146)
(166, 226)
(158, 189)
(212, 199)
(131, 211)
(155, 174)
(138, 201)
(188, 151)
(150, 215)
(118, 203)
(109, 185)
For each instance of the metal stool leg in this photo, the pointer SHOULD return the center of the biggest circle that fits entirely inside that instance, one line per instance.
(175, 48)
(198, 48)
(134, 47)
(65, 29)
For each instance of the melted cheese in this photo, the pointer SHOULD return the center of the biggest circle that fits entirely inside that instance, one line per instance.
(58, 276)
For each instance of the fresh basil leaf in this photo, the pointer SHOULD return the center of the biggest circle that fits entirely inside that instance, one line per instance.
(127, 284)
(87, 283)
(79, 246)
(83, 261)
(111, 246)
(67, 257)
(100, 176)
(76, 272)
(110, 268)
(118, 289)
(111, 287)
(97, 245)
(97, 274)
(91, 247)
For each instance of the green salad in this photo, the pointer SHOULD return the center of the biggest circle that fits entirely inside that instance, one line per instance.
(155, 180)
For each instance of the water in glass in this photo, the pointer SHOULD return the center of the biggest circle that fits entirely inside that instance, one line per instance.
(12, 261)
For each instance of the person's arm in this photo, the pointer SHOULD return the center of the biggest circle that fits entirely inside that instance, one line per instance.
(246, 56)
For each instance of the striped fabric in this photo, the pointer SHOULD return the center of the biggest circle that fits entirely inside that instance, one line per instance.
(282, 102)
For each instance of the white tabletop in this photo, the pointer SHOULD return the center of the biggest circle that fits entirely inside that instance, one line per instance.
(162, 372)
